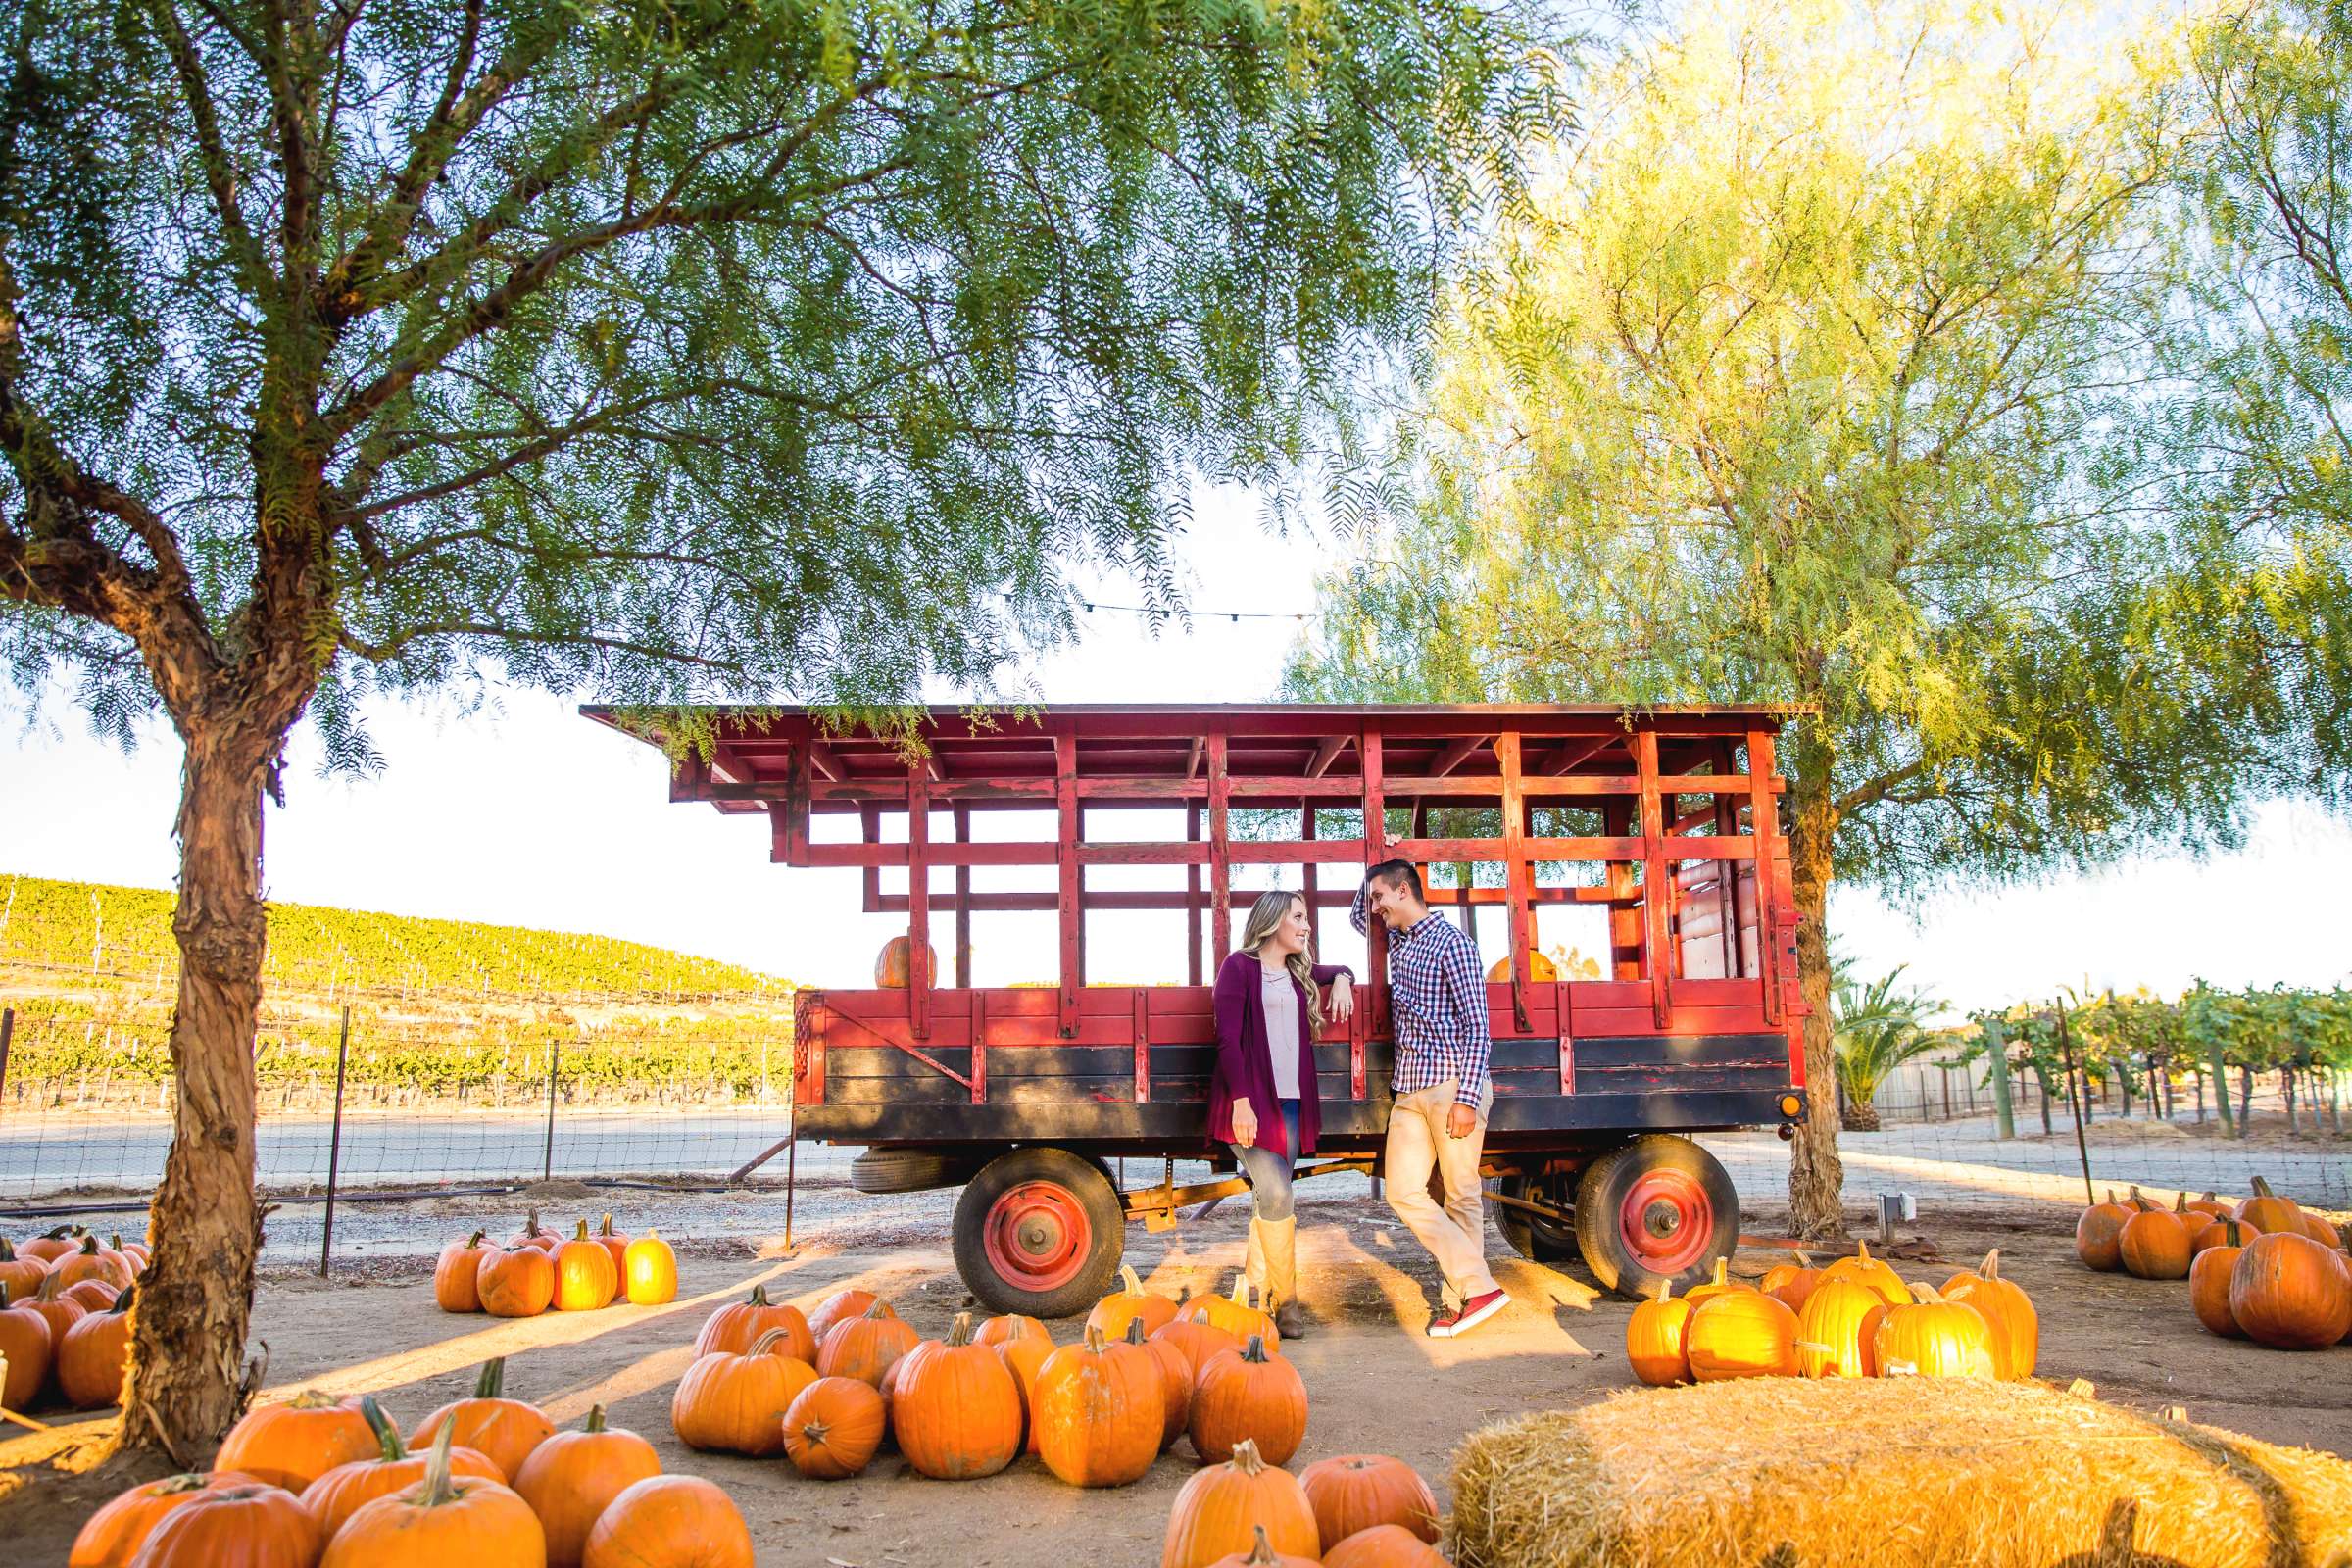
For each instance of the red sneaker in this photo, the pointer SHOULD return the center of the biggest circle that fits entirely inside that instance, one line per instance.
(1477, 1310)
(1441, 1326)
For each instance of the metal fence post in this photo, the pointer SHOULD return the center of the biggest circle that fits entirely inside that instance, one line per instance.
(553, 1047)
(2004, 1114)
(8, 1027)
(334, 1145)
(2081, 1145)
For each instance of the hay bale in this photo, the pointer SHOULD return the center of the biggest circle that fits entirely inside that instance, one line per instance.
(1894, 1473)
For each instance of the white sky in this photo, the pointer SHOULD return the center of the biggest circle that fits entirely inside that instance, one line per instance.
(533, 815)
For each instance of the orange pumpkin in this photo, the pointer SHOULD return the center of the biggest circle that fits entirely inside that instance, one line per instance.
(1743, 1334)
(2209, 1275)
(2154, 1246)
(92, 1262)
(1790, 1282)
(736, 1403)
(1357, 1491)
(534, 1234)
(1098, 1411)
(19, 1276)
(515, 1281)
(956, 1408)
(1198, 1341)
(507, 1430)
(615, 1243)
(649, 1271)
(1024, 1357)
(1234, 1314)
(671, 1522)
(1010, 1326)
(572, 1478)
(350, 1487)
(112, 1537)
(2007, 1311)
(1175, 1383)
(1932, 1337)
(244, 1521)
(60, 1312)
(864, 1348)
(832, 1428)
(1383, 1546)
(293, 1443)
(47, 1248)
(1720, 1284)
(1253, 1393)
(2290, 1293)
(455, 1274)
(441, 1518)
(1834, 1332)
(842, 1305)
(95, 1296)
(2270, 1213)
(95, 1353)
(894, 964)
(734, 1326)
(2213, 1233)
(586, 1277)
(1261, 1554)
(133, 1252)
(2323, 1230)
(1129, 1303)
(2099, 1235)
(1218, 1510)
(26, 1346)
(1873, 1273)
(2201, 1209)
(1656, 1338)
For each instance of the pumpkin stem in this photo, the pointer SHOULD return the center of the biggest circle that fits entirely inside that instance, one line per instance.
(476, 1239)
(1240, 1289)
(1262, 1553)
(1929, 1294)
(2230, 1231)
(1095, 1340)
(2209, 1198)
(492, 1380)
(596, 1419)
(1135, 1331)
(607, 1229)
(1723, 1272)
(2180, 1204)
(581, 1233)
(1665, 1289)
(760, 1345)
(8, 1250)
(1804, 1260)
(1990, 1268)
(959, 1332)
(530, 1223)
(89, 1246)
(387, 1435)
(1255, 1350)
(46, 1291)
(758, 1292)
(437, 1491)
(2262, 1188)
(312, 1400)
(1134, 1281)
(1245, 1457)
(880, 1310)
(123, 1302)
(115, 1240)
(1861, 1251)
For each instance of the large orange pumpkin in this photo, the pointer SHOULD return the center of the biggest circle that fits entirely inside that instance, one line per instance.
(1743, 1334)
(615, 1243)
(54, 1307)
(95, 1296)
(2270, 1213)
(94, 1353)
(1932, 1337)
(293, 1443)
(841, 1307)
(893, 965)
(832, 1428)
(572, 1478)
(1835, 1331)
(1198, 1341)
(244, 1521)
(19, 1276)
(2323, 1230)
(2209, 1275)
(112, 1537)
(1024, 1357)
(1129, 1303)
(864, 1348)
(1874, 1273)
(2154, 1246)
(442, 1518)
(1248, 1394)
(1354, 1491)
(507, 1430)
(586, 1277)
(515, 1281)
(1792, 1283)
(1218, 1510)
(734, 1326)
(455, 1274)
(2099, 1235)
(649, 1271)
(350, 1487)
(2290, 1293)
(671, 1522)
(92, 1262)
(2202, 1210)
(736, 1403)
(1098, 1410)
(1656, 1336)
(1383, 1546)
(48, 1248)
(25, 1345)
(2007, 1311)
(2213, 1232)
(1008, 1327)
(956, 1408)
(1175, 1383)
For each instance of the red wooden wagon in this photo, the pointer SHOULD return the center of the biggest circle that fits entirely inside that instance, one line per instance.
(1023, 1095)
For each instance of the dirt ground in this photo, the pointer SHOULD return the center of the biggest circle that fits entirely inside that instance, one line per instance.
(1374, 1381)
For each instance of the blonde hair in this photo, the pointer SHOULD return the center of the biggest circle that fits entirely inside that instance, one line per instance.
(1264, 915)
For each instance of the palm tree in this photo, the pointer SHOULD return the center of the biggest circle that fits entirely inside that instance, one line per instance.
(1875, 1028)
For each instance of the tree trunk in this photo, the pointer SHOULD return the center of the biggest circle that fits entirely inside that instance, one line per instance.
(1816, 1177)
(2287, 1091)
(2245, 1100)
(196, 1296)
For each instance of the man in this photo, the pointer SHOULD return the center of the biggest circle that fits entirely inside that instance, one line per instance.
(1437, 1005)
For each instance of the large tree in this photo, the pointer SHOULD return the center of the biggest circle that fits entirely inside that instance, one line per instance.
(711, 347)
(1812, 377)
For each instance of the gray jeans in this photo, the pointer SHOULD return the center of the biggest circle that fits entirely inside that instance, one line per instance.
(1269, 1173)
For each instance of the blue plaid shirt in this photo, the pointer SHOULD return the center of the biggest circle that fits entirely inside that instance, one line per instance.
(1437, 1002)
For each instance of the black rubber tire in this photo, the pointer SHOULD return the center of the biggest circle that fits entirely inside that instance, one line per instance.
(1532, 1237)
(1087, 1187)
(1601, 1192)
(905, 1170)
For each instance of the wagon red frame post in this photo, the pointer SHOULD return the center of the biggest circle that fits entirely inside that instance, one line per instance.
(1023, 1094)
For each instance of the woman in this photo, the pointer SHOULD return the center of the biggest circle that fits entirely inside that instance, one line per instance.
(1261, 1100)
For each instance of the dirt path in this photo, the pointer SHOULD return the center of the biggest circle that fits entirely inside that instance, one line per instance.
(1375, 1382)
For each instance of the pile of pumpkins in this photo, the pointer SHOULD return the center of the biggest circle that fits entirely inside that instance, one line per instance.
(322, 1482)
(2262, 1270)
(64, 1318)
(827, 1389)
(1856, 1318)
(535, 1269)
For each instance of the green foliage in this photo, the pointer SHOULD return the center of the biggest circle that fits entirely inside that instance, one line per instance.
(1877, 1025)
(2258, 1029)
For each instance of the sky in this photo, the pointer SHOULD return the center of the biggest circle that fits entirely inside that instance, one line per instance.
(525, 814)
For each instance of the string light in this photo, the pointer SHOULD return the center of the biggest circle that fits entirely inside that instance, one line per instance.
(1236, 616)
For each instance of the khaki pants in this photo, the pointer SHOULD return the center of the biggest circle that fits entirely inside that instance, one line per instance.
(1455, 1234)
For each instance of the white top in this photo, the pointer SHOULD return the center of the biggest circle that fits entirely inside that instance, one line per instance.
(1281, 1003)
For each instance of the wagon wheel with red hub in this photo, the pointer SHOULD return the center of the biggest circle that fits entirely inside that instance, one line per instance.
(1040, 1231)
(1659, 1209)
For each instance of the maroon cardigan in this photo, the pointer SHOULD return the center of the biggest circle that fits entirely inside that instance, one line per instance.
(1245, 1067)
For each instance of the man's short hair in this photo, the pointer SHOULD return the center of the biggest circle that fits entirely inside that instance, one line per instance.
(1399, 874)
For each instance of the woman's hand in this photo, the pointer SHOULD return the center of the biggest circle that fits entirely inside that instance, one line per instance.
(1342, 999)
(1245, 1124)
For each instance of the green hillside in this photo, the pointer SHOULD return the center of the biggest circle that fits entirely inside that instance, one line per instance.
(89, 927)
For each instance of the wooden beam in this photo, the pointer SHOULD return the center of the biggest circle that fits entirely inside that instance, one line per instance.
(821, 757)
(1577, 753)
(1220, 851)
(1192, 762)
(1327, 751)
(1764, 823)
(1374, 1007)
(1192, 901)
(1656, 880)
(1518, 877)
(1315, 916)
(964, 904)
(1065, 777)
(1455, 754)
(919, 979)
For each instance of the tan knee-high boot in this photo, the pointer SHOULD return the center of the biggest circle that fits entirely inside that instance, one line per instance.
(1280, 1243)
(1253, 1260)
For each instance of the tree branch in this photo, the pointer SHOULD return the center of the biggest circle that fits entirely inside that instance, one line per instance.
(219, 177)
